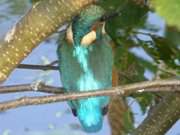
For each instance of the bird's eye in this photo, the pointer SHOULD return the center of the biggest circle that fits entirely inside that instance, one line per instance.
(105, 110)
(74, 112)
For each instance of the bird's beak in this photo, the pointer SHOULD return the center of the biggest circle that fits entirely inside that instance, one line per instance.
(88, 39)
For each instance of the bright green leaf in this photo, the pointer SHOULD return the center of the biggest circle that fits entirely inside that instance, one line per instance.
(169, 10)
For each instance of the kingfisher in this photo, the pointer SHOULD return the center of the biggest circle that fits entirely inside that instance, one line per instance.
(33, 1)
(85, 64)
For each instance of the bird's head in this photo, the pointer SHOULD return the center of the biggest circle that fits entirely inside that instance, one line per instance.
(90, 115)
(82, 31)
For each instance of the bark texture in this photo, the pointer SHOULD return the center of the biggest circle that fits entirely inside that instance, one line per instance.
(162, 117)
(45, 17)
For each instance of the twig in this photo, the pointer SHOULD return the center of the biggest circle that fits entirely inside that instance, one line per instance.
(147, 86)
(143, 33)
(49, 66)
(53, 63)
(40, 87)
(37, 67)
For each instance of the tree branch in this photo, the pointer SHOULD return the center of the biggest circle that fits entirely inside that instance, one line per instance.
(49, 66)
(162, 117)
(37, 67)
(35, 87)
(147, 86)
(45, 17)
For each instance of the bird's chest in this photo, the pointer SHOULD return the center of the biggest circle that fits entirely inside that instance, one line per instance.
(85, 68)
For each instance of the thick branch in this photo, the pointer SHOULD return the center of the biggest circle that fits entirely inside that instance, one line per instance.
(148, 86)
(45, 17)
(164, 115)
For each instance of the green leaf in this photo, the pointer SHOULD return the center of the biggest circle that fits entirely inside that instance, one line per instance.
(167, 51)
(33, 1)
(173, 35)
(161, 48)
(131, 16)
(12, 8)
(128, 65)
(111, 5)
(144, 100)
(128, 122)
(17, 7)
(169, 10)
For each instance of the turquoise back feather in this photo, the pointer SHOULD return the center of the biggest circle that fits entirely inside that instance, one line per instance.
(86, 68)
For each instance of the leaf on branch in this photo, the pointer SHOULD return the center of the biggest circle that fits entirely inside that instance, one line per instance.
(117, 110)
(144, 100)
(131, 16)
(169, 10)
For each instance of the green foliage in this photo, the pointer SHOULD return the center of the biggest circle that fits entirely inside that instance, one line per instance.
(144, 100)
(13, 8)
(163, 49)
(173, 35)
(129, 66)
(169, 10)
(122, 30)
(17, 6)
(33, 1)
(128, 121)
(131, 16)
(110, 5)
(132, 69)
(166, 51)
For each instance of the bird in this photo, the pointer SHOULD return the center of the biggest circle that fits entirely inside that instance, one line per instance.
(34, 2)
(85, 64)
